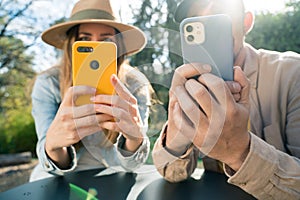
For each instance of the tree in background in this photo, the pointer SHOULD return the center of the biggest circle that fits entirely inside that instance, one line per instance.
(278, 32)
(16, 124)
(161, 55)
(155, 18)
(20, 29)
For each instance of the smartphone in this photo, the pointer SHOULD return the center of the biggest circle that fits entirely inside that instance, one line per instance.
(208, 40)
(93, 63)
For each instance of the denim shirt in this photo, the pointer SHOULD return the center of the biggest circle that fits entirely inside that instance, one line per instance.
(46, 100)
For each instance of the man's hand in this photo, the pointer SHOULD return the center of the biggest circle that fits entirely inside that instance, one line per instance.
(215, 121)
(178, 139)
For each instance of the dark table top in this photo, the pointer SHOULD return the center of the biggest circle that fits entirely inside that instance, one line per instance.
(115, 184)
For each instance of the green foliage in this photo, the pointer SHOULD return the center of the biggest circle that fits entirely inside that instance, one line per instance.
(18, 132)
(160, 57)
(156, 20)
(278, 32)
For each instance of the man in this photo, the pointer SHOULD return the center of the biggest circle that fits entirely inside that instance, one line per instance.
(250, 128)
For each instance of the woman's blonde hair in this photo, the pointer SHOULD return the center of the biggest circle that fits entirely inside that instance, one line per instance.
(65, 77)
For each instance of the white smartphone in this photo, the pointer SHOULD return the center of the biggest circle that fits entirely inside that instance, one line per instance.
(208, 40)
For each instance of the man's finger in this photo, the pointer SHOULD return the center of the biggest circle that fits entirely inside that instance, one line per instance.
(188, 71)
(241, 78)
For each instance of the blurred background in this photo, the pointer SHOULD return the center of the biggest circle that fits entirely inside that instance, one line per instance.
(23, 55)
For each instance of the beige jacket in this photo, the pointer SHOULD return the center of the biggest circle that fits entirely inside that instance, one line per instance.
(272, 168)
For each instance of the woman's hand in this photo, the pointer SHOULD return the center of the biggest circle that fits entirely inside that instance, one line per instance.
(123, 107)
(71, 124)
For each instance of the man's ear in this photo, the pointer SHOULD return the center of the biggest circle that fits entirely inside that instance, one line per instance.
(248, 22)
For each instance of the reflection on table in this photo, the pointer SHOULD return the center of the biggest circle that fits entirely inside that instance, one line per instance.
(210, 186)
(116, 184)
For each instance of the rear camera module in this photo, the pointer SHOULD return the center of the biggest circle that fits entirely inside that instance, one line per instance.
(94, 64)
(83, 49)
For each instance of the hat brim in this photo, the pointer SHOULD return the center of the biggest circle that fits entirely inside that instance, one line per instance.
(182, 10)
(134, 39)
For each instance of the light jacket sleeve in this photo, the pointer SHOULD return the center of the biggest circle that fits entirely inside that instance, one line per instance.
(171, 167)
(268, 173)
(138, 158)
(272, 168)
(45, 102)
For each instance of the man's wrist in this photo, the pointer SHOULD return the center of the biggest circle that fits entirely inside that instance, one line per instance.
(132, 145)
(173, 147)
(241, 157)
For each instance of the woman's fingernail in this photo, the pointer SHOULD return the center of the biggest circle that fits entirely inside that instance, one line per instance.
(113, 79)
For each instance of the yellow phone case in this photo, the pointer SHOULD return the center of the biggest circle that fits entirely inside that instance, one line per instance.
(93, 63)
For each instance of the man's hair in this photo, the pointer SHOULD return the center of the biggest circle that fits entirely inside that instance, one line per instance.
(235, 8)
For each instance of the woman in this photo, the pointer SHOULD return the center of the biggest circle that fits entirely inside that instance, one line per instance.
(74, 137)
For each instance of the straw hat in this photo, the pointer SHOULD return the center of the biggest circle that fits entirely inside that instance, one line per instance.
(95, 11)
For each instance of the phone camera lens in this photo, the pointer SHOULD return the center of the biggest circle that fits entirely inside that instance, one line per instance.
(85, 49)
(190, 38)
(189, 28)
(94, 64)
